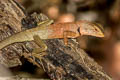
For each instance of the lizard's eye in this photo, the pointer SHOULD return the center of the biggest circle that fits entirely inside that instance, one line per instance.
(78, 30)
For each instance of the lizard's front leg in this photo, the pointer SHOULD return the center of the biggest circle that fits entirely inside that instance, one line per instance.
(68, 34)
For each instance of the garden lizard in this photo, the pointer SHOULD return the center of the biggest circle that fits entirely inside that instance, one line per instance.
(47, 30)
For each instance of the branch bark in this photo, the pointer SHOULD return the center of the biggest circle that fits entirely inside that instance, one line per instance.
(10, 23)
(60, 62)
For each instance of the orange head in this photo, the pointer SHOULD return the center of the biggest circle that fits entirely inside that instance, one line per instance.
(90, 28)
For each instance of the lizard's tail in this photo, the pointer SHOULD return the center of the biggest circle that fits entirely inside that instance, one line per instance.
(19, 37)
(13, 39)
(6, 42)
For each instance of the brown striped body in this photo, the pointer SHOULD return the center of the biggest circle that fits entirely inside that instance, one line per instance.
(47, 31)
(86, 28)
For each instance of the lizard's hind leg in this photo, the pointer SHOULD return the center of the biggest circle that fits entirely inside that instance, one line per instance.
(36, 52)
(40, 43)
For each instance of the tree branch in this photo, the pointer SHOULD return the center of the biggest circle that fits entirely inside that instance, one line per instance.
(60, 62)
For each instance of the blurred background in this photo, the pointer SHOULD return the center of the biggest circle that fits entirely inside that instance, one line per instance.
(106, 51)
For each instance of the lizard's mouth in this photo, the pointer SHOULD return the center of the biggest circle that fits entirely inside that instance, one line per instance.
(101, 35)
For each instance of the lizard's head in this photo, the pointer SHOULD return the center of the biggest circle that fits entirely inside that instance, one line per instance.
(90, 28)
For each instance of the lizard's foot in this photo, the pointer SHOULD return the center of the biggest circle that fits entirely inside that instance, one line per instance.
(37, 58)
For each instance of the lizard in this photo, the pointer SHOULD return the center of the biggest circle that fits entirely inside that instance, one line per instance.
(47, 30)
